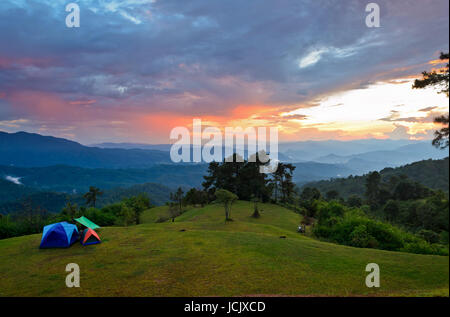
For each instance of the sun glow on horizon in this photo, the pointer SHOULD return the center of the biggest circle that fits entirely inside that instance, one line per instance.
(377, 109)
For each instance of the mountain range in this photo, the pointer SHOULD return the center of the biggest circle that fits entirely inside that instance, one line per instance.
(358, 156)
(353, 157)
(33, 150)
(32, 164)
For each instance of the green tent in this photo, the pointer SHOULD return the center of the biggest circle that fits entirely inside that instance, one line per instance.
(87, 223)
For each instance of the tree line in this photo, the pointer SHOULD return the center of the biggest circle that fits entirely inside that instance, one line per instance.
(236, 178)
(31, 219)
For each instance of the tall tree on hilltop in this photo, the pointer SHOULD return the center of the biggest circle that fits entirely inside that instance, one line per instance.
(224, 175)
(438, 79)
(251, 182)
(282, 182)
(240, 177)
(287, 186)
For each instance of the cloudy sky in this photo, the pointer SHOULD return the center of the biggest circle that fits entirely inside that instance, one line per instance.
(136, 69)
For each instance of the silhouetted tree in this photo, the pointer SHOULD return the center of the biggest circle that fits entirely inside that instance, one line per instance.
(240, 177)
(373, 188)
(178, 198)
(441, 136)
(196, 197)
(439, 79)
(282, 182)
(92, 195)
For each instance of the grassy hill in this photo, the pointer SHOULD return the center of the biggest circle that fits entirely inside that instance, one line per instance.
(201, 255)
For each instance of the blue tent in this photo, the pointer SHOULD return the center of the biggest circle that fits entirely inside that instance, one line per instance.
(59, 235)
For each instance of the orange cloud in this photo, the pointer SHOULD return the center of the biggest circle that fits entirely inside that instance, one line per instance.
(247, 111)
(438, 61)
(82, 102)
(42, 104)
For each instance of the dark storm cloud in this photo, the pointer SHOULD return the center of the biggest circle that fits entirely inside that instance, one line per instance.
(206, 56)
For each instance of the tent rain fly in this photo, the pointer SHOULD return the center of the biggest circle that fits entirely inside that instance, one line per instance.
(87, 223)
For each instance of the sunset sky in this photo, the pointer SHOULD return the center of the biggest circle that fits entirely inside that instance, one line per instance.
(136, 69)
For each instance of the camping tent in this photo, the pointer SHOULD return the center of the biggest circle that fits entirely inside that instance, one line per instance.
(87, 223)
(59, 235)
(89, 236)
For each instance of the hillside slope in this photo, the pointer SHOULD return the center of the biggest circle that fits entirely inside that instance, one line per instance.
(431, 173)
(201, 255)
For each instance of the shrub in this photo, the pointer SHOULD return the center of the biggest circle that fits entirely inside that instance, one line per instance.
(8, 229)
(322, 231)
(422, 247)
(360, 237)
(352, 227)
(444, 237)
(429, 236)
(99, 217)
(326, 211)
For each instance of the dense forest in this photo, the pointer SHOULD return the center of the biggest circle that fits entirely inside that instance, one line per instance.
(69, 179)
(431, 173)
(53, 202)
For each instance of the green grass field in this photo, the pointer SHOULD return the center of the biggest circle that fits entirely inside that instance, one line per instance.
(214, 258)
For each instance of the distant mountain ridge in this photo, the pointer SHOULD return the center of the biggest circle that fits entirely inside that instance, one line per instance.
(128, 146)
(34, 150)
(357, 156)
(309, 171)
(401, 155)
(311, 150)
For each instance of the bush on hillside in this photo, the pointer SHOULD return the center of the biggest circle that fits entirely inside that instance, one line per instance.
(351, 226)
